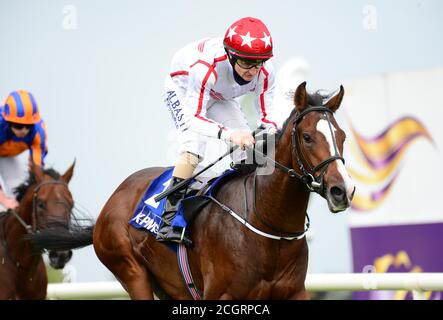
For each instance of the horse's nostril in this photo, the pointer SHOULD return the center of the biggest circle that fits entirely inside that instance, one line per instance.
(337, 193)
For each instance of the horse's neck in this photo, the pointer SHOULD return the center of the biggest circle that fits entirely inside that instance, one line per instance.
(14, 232)
(281, 199)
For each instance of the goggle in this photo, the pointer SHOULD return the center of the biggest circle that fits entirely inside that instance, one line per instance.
(249, 64)
(20, 126)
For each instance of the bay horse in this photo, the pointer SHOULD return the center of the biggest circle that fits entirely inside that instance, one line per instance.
(266, 257)
(229, 261)
(44, 200)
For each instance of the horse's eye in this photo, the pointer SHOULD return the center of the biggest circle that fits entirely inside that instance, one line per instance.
(307, 138)
(41, 205)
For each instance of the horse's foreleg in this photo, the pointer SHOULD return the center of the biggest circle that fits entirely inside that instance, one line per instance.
(120, 260)
(215, 289)
(33, 286)
(135, 279)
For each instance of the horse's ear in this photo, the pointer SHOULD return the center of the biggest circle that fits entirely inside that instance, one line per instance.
(36, 171)
(335, 101)
(301, 97)
(68, 174)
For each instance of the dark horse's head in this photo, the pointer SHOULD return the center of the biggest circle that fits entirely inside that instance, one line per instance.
(47, 203)
(317, 146)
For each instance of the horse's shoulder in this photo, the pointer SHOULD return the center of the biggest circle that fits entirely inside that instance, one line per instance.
(226, 191)
(231, 184)
(141, 178)
(151, 172)
(146, 174)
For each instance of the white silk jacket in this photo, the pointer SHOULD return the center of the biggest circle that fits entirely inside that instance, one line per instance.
(203, 70)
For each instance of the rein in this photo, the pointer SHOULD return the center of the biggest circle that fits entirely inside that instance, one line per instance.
(281, 234)
(308, 177)
(254, 229)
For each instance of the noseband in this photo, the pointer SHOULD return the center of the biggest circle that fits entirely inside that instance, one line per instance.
(308, 177)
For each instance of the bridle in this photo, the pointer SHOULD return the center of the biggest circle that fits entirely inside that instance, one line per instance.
(32, 229)
(35, 198)
(308, 176)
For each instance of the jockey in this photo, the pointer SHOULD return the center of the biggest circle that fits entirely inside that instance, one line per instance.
(21, 128)
(200, 91)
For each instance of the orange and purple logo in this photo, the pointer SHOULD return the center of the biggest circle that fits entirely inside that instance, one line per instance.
(379, 159)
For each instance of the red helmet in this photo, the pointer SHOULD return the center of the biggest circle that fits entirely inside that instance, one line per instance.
(248, 38)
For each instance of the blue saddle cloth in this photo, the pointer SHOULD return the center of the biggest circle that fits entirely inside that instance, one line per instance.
(148, 214)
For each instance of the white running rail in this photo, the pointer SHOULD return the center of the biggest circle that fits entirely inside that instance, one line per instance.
(418, 283)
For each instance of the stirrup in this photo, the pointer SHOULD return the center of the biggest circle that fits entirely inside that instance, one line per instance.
(174, 236)
(186, 240)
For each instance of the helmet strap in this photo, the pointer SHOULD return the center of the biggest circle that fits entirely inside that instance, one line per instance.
(232, 58)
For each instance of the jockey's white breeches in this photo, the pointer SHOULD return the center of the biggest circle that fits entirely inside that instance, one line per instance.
(13, 172)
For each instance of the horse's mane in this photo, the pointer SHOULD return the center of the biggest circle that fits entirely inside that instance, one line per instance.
(21, 190)
(317, 98)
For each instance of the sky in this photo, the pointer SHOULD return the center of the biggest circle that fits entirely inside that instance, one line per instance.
(97, 69)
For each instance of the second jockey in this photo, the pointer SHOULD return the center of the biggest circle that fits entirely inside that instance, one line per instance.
(21, 129)
(201, 91)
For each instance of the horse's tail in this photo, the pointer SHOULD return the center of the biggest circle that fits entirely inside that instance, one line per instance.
(59, 237)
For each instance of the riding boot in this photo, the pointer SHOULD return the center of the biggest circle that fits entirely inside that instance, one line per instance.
(167, 233)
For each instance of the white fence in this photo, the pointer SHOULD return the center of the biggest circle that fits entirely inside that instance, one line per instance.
(418, 283)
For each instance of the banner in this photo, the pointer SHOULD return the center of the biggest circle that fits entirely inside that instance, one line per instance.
(394, 137)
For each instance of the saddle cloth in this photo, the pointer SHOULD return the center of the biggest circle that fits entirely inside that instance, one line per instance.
(148, 213)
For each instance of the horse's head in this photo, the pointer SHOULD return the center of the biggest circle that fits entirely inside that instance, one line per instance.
(50, 203)
(317, 147)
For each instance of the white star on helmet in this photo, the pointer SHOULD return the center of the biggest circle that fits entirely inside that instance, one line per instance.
(231, 33)
(266, 39)
(247, 40)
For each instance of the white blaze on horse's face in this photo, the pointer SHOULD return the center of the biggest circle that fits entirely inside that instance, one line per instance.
(349, 187)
